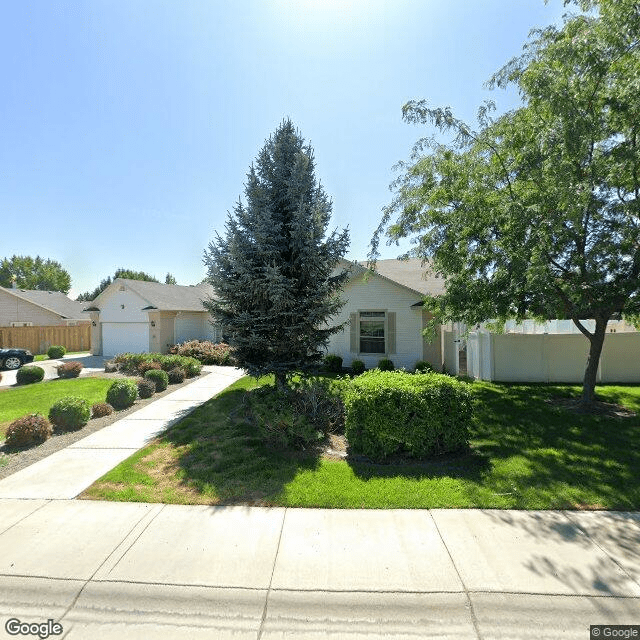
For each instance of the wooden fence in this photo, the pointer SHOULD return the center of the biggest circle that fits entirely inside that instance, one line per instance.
(39, 339)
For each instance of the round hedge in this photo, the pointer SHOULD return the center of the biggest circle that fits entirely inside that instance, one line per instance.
(176, 375)
(146, 387)
(70, 413)
(29, 375)
(101, 409)
(122, 394)
(357, 367)
(160, 378)
(56, 351)
(32, 429)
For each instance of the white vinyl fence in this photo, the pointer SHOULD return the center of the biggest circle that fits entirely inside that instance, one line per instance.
(550, 357)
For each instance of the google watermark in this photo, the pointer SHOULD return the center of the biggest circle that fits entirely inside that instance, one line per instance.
(625, 631)
(15, 627)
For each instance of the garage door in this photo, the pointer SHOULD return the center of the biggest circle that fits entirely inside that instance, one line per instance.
(124, 337)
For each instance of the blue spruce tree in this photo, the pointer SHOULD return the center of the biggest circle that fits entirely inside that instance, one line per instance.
(273, 270)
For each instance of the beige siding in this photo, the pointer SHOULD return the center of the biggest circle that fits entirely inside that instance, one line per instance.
(14, 309)
(377, 294)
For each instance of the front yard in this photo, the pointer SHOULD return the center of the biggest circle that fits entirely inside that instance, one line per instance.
(527, 452)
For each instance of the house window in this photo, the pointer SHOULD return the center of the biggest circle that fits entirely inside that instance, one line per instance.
(372, 332)
(22, 324)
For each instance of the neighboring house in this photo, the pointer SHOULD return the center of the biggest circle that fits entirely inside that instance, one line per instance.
(34, 308)
(137, 317)
(385, 316)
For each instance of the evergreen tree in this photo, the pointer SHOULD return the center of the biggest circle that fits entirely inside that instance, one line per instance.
(272, 272)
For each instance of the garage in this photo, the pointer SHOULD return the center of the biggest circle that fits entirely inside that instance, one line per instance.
(125, 337)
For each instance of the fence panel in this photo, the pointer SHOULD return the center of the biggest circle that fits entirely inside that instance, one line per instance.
(39, 339)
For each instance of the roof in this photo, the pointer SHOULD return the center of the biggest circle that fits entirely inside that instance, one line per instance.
(411, 274)
(169, 297)
(54, 301)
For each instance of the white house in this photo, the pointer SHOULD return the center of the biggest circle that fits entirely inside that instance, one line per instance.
(138, 317)
(385, 316)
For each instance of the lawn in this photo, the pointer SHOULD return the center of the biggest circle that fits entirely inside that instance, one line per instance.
(43, 356)
(38, 398)
(527, 452)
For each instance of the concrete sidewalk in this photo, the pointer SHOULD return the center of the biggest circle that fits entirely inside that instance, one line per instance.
(66, 473)
(123, 570)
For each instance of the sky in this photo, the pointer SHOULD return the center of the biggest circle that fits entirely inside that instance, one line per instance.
(127, 127)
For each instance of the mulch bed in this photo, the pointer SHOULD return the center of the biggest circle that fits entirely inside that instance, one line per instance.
(17, 459)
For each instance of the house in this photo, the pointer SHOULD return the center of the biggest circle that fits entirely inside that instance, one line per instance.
(35, 308)
(385, 316)
(138, 317)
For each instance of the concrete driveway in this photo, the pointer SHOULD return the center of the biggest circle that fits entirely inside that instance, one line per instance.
(92, 364)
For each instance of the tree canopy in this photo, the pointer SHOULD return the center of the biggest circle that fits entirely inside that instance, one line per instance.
(272, 272)
(128, 274)
(34, 273)
(536, 212)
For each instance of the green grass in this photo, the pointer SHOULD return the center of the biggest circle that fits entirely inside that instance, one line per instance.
(43, 356)
(38, 398)
(526, 453)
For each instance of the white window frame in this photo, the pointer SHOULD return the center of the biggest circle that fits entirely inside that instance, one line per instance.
(16, 325)
(386, 333)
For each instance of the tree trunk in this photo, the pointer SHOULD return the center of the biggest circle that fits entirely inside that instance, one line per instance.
(281, 381)
(597, 340)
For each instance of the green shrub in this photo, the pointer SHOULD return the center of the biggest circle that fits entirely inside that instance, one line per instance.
(29, 374)
(332, 363)
(206, 352)
(122, 393)
(101, 409)
(176, 375)
(146, 388)
(192, 367)
(159, 377)
(170, 362)
(385, 364)
(387, 412)
(129, 362)
(69, 369)
(70, 413)
(148, 365)
(31, 429)
(357, 367)
(56, 351)
(422, 366)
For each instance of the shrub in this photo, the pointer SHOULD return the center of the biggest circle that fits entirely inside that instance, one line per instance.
(56, 351)
(146, 387)
(148, 365)
(385, 364)
(101, 409)
(70, 369)
(129, 362)
(422, 366)
(29, 375)
(70, 413)
(111, 366)
(159, 377)
(205, 352)
(32, 429)
(176, 375)
(423, 414)
(332, 363)
(122, 393)
(192, 367)
(357, 367)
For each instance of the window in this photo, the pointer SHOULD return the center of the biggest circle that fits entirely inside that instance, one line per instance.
(22, 324)
(372, 332)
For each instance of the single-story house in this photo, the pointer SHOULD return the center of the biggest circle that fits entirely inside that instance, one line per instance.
(138, 317)
(35, 308)
(385, 315)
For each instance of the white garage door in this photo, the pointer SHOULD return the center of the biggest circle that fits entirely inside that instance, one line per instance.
(124, 337)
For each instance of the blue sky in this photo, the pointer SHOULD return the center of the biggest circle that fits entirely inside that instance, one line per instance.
(127, 126)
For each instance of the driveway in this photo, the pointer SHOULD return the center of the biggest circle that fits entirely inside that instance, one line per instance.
(92, 364)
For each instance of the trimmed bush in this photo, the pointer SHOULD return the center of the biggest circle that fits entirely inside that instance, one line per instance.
(385, 364)
(101, 409)
(159, 377)
(149, 365)
(70, 369)
(70, 413)
(29, 374)
(192, 367)
(205, 352)
(332, 363)
(176, 375)
(357, 367)
(422, 366)
(56, 351)
(146, 387)
(388, 412)
(122, 393)
(32, 429)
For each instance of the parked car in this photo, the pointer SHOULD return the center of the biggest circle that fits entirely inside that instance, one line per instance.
(14, 358)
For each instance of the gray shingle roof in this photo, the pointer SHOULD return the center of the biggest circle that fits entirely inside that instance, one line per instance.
(170, 297)
(410, 273)
(55, 301)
